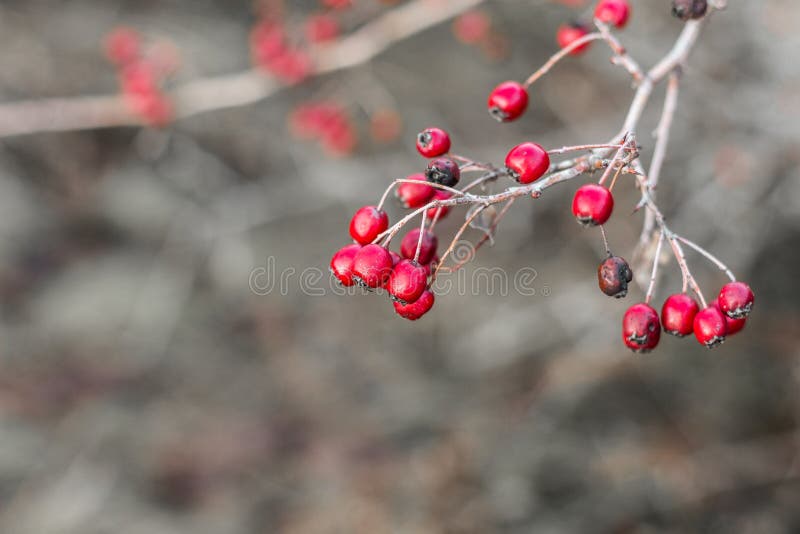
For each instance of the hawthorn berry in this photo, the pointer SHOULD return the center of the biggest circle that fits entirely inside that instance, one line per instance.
(408, 246)
(431, 266)
(689, 9)
(527, 162)
(615, 12)
(641, 329)
(592, 204)
(710, 327)
(443, 171)
(416, 309)
(508, 101)
(734, 325)
(736, 300)
(407, 281)
(414, 195)
(677, 314)
(267, 42)
(613, 276)
(569, 33)
(433, 142)
(321, 28)
(342, 264)
(372, 266)
(442, 211)
(123, 45)
(367, 223)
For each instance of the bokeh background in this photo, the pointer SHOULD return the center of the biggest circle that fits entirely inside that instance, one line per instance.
(145, 388)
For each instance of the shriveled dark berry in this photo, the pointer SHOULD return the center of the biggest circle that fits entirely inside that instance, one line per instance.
(443, 171)
(689, 9)
(613, 276)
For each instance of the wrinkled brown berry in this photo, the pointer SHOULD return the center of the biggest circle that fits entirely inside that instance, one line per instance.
(689, 9)
(613, 276)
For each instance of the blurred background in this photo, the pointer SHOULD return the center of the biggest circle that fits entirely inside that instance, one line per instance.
(145, 387)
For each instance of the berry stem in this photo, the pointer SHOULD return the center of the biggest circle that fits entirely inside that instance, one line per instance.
(455, 239)
(561, 54)
(656, 260)
(710, 257)
(421, 235)
(605, 241)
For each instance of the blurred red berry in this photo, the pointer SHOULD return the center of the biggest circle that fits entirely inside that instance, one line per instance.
(614, 12)
(337, 4)
(123, 45)
(472, 26)
(568, 34)
(321, 28)
(267, 42)
(442, 210)
(385, 125)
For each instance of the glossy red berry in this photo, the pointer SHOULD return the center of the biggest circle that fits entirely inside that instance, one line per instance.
(508, 101)
(408, 246)
(527, 162)
(569, 33)
(416, 309)
(414, 195)
(407, 281)
(441, 210)
(372, 266)
(367, 223)
(443, 171)
(641, 329)
(736, 300)
(613, 276)
(677, 314)
(614, 12)
(592, 204)
(433, 142)
(734, 325)
(710, 327)
(342, 264)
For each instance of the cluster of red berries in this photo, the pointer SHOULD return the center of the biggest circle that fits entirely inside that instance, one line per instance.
(142, 75)
(404, 275)
(681, 315)
(327, 122)
(613, 12)
(272, 51)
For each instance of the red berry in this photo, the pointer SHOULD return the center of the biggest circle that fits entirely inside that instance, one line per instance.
(416, 309)
(592, 204)
(527, 162)
(431, 266)
(138, 78)
(367, 223)
(615, 12)
(641, 329)
(613, 276)
(407, 281)
(337, 4)
(408, 246)
(443, 171)
(433, 142)
(321, 28)
(734, 325)
(568, 34)
(267, 42)
(123, 46)
(508, 101)
(442, 210)
(292, 66)
(736, 300)
(710, 327)
(414, 195)
(342, 264)
(677, 314)
(372, 266)
(154, 108)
